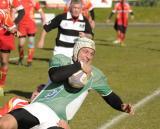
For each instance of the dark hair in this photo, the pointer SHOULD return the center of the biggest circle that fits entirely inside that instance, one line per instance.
(40, 87)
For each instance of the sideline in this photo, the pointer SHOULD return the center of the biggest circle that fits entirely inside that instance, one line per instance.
(142, 102)
(100, 24)
(16, 58)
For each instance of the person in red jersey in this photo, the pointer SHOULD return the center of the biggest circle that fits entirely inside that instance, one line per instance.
(7, 38)
(27, 28)
(17, 102)
(122, 9)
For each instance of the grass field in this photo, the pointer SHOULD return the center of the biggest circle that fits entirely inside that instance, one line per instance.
(133, 72)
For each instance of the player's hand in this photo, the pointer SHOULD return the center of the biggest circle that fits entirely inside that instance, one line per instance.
(82, 34)
(86, 67)
(128, 108)
(15, 32)
(63, 124)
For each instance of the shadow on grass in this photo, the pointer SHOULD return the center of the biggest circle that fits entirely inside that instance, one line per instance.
(142, 45)
(19, 93)
(35, 58)
(47, 49)
(13, 62)
(104, 42)
(41, 59)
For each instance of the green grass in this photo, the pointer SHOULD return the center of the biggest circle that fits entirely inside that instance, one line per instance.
(142, 14)
(133, 73)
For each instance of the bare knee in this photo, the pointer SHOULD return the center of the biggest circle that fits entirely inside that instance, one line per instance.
(8, 122)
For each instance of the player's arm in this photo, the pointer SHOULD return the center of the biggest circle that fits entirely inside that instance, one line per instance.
(19, 9)
(92, 14)
(62, 73)
(47, 27)
(132, 15)
(54, 23)
(88, 30)
(111, 14)
(115, 102)
(40, 10)
(21, 13)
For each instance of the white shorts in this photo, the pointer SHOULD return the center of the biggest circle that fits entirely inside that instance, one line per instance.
(63, 50)
(46, 116)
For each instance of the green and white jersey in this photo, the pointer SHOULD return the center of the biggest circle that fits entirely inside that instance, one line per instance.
(65, 100)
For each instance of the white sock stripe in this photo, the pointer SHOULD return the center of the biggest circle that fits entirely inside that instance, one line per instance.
(142, 102)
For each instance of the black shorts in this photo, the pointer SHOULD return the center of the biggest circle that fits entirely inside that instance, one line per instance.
(24, 119)
(121, 28)
(5, 51)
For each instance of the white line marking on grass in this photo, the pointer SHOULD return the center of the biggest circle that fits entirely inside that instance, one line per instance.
(142, 102)
(15, 58)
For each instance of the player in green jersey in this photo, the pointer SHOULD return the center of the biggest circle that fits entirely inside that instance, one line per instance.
(59, 100)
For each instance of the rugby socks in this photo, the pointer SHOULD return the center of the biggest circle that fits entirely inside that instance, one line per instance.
(3, 75)
(21, 52)
(30, 55)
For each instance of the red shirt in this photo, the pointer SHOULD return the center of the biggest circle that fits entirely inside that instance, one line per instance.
(122, 10)
(29, 7)
(5, 19)
(8, 4)
(13, 103)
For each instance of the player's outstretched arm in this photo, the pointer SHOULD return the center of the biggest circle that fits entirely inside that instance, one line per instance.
(115, 102)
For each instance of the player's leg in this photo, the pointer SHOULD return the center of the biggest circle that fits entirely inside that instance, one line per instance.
(22, 40)
(6, 45)
(8, 122)
(116, 27)
(22, 28)
(31, 47)
(4, 55)
(18, 119)
(31, 39)
(122, 35)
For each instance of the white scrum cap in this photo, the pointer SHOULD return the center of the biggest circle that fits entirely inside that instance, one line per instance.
(81, 43)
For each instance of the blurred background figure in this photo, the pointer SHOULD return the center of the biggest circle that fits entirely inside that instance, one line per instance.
(71, 25)
(6, 35)
(18, 102)
(122, 10)
(27, 28)
(87, 11)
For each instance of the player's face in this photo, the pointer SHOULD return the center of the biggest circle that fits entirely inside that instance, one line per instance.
(34, 94)
(75, 9)
(86, 55)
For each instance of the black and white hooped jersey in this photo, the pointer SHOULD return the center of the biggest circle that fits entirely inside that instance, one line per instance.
(68, 28)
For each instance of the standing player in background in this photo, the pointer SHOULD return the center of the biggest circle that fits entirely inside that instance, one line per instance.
(71, 25)
(7, 38)
(87, 11)
(27, 27)
(122, 9)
